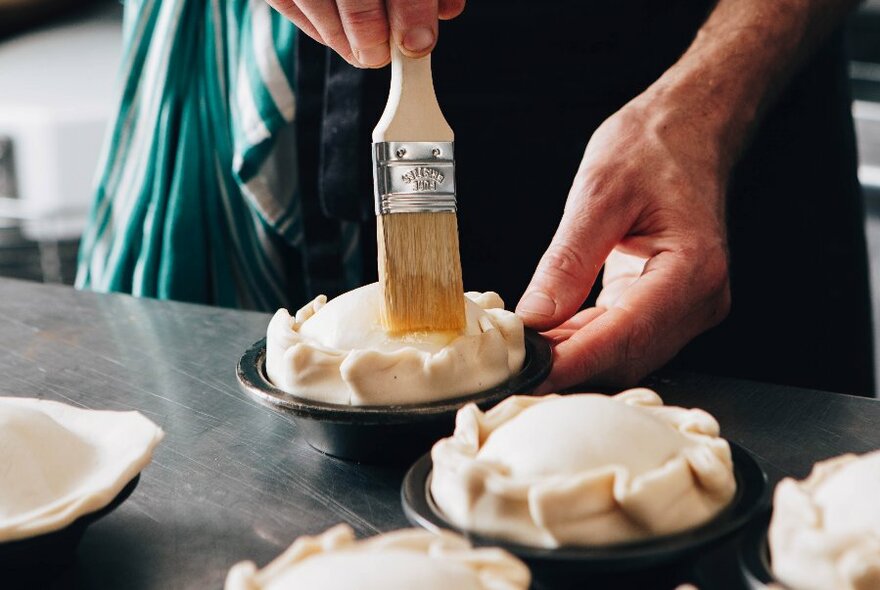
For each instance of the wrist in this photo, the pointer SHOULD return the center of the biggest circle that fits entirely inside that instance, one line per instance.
(738, 63)
(694, 120)
(716, 112)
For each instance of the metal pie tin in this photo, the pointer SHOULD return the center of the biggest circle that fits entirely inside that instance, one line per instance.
(388, 434)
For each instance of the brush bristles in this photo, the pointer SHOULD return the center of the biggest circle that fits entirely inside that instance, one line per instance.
(420, 272)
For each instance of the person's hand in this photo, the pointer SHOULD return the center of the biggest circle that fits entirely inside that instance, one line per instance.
(360, 30)
(649, 198)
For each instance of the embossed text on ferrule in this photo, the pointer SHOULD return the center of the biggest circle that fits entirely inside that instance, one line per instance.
(424, 178)
(411, 177)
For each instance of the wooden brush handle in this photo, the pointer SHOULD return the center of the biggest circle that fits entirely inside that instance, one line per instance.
(412, 112)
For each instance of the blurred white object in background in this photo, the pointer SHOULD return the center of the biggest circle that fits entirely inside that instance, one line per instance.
(57, 94)
(867, 120)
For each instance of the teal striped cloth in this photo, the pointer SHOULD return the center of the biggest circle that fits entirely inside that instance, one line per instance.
(197, 195)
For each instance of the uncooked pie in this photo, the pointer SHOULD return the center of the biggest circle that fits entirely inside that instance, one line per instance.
(583, 469)
(337, 352)
(401, 560)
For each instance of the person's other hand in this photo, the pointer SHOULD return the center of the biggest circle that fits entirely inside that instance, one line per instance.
(360, 30)
(649, 198)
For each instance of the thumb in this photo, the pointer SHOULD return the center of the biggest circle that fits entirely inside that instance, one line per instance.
(569, 267)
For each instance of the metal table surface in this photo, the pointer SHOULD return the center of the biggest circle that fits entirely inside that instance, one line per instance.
(232, 480)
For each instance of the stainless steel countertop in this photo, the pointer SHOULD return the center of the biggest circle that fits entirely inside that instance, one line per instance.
(232, 480)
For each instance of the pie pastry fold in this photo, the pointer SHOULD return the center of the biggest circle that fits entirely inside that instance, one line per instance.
(60, 462)
(337, 352)
(399, 560)
(583, 469)
(825, 530)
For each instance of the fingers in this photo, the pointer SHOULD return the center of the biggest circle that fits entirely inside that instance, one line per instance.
(360, 30)
(580, 319)
(366, 25)
(323, 17)
(591, 226)
(673, 301)
(559, 335)
(449, 9)
(414, 25)
(567, 329)
(290, 10)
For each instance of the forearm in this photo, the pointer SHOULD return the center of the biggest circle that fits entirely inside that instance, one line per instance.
(740, 60)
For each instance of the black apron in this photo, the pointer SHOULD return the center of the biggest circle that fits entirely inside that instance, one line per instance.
(524, 84)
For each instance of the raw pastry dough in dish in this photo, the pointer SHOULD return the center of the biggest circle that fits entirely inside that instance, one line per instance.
(401, 560)
(825, 530)
(583, 469)
(61, 462)
(337, 352)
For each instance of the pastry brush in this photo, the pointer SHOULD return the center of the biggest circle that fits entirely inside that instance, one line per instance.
(417, 227)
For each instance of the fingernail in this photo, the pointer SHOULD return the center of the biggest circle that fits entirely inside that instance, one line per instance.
(418, 40)
(536, 303)
(374, 56)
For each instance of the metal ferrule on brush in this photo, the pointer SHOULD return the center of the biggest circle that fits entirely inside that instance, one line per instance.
(414, 176)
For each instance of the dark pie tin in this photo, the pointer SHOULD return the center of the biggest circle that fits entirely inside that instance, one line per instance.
(387, 434)
(753, 556)
(39, 555)
(620, 564)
